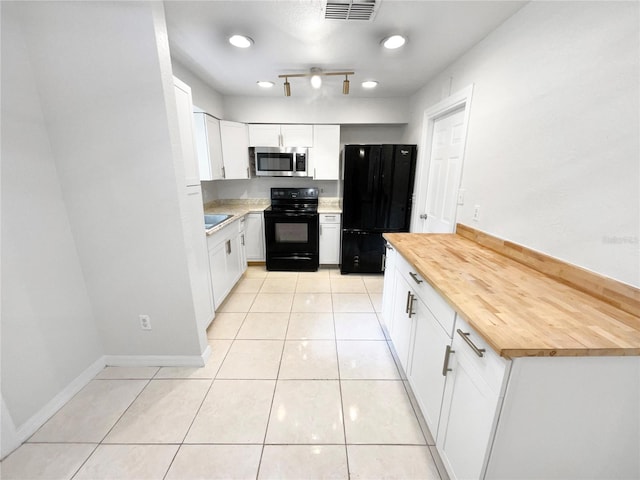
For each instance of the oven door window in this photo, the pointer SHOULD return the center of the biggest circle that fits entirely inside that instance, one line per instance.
(291, 232)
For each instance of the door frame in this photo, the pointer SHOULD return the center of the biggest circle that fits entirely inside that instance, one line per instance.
(461, 98)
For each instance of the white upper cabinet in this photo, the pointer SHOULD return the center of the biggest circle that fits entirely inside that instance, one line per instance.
(235, 149)
(325, 154)
(208, 146)
(272, 135)
(185, 125)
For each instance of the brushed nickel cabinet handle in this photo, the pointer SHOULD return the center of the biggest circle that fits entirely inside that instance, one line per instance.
(415, 278)
(445, 365)
(465, 337)
(406, 310)
(411, 312)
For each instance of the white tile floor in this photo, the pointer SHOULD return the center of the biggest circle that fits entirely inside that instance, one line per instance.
(301, 385)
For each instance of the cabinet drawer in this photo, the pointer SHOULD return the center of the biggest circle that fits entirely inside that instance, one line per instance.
(329, 218)
(490, 366)
(432, 299)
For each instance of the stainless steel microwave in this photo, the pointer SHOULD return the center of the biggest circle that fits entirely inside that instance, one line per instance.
(282, 161)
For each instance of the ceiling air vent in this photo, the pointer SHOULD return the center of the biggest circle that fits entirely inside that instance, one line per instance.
(351, 9)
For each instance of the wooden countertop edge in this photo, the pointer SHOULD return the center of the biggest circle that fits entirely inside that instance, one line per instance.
(515, 351)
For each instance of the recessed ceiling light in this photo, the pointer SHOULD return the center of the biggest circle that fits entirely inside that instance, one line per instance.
(264, 84)
(240, 41)
(369, 84)
(394, 41)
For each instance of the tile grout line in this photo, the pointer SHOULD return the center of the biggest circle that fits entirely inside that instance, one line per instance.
(275, 388)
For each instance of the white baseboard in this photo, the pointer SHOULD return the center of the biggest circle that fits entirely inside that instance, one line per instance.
(13, 437)
(32, 425)
(158, 360)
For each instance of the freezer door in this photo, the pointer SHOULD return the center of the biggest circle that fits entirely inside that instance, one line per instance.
(362, 252)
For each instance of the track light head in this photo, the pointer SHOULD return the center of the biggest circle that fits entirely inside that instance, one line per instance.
(287, 87)
(345, 85)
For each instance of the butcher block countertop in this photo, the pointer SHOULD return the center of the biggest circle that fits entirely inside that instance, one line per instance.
(519, 311)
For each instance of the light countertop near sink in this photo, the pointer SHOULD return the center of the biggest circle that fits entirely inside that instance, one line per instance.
(238, 208)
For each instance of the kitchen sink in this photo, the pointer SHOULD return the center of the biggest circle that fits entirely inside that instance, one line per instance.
(212, 220)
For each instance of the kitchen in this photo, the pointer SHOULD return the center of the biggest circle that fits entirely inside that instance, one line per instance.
(552, 159)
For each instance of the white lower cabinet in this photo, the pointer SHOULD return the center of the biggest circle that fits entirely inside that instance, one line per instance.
(254, 238)
(329, 248)
(389, 286)
(470, 407)
(402, 327)
(427, 370)
(226, 260)
(457, 391)
(497, 419)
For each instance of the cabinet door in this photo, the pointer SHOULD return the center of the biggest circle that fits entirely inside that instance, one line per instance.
(389, 286)
(329, 243)
(235, 149)
(219, 273)
(469, 413)
(325, 154)
(214, 144)
(254, 238)
(401, 330)
(425, 372)
(264, 135)
(296, 135)
(185, 126)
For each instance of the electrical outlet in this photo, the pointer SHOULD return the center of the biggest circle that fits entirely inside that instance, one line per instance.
(476, 213)
(145, 322)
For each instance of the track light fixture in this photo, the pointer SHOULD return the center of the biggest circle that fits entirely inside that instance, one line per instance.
(316, 79)
(287, 87)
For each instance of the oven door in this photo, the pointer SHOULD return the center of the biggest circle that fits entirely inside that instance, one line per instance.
(291, 240)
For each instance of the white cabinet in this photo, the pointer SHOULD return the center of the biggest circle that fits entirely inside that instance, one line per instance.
(235, 149)
(254, 238)
(471, 404)
(402, 326)
(192, 213)
(242, 243)
(329, 239)
(208, 146)
(273, 135)
(324, 157)
(226, 260)
(426, 375)
(185, 126)
(388, 287)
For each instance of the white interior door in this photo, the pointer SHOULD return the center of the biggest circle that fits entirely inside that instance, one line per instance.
(438, 213)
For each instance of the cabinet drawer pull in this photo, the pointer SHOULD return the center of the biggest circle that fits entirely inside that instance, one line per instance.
(415, 278)
(465, 337)
(406, 310)
(228, 247)
(445, 365)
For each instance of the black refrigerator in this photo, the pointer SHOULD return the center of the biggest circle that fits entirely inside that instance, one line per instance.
(378, 186)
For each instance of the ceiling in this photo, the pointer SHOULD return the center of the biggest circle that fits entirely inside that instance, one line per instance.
(292, 36)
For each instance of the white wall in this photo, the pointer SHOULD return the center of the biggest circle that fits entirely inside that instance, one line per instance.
(371, 134)
(204, 97)
(553, 147)
(322, 109)
(261, 187)
(49, 334)
(91, 227)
